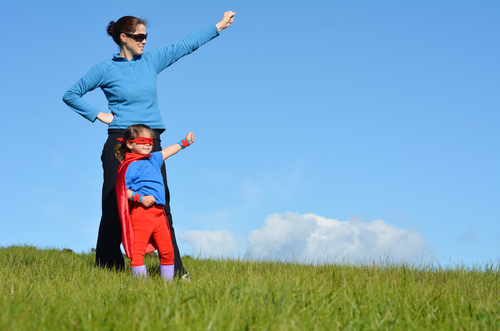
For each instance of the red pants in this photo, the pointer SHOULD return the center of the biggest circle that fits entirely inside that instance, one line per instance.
(150, 224)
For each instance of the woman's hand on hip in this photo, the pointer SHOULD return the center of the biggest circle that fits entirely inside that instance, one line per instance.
(227, 20)
(106, 118)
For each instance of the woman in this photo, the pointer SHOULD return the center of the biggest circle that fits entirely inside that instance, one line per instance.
(129, 82)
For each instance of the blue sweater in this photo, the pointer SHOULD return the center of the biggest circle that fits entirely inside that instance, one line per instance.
(130, 86)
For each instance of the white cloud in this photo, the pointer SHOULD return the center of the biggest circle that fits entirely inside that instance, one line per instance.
(312, 238)
(317, 239)
(212, 243)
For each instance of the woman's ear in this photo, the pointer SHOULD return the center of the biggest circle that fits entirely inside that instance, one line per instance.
(123, 37)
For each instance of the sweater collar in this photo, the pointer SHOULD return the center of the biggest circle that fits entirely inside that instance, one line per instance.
(118, 58)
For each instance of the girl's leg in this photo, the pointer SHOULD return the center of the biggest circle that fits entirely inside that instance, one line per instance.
(178, 266)
(108, 252)
(162, 240)
(143, 225)
(140, 271)
(167, 272)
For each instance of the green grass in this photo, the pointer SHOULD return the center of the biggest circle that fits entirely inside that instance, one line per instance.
(46, 289)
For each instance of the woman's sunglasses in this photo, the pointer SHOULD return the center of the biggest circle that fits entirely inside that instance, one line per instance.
(137, 37)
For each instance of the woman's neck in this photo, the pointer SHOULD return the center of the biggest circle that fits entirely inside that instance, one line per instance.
(126, 54)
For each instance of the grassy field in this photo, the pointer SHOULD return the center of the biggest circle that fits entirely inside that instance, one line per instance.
(45, 289)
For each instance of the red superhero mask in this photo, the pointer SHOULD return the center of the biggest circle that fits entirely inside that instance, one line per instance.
(139, 140)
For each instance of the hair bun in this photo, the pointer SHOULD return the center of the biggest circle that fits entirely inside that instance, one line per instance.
(110, 27)
(126, 24)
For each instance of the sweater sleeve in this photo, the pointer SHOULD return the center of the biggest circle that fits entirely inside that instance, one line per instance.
(164, 57)
(73, 97)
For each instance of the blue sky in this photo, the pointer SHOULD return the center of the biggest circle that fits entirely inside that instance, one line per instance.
(324, 130)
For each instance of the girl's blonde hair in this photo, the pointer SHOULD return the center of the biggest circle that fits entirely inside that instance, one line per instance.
(130, 133)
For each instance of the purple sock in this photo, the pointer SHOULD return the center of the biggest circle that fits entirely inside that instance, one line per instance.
(140, 271)
(167, 272)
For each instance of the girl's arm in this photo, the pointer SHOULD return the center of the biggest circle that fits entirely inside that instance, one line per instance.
(147, 200)
(173, 149)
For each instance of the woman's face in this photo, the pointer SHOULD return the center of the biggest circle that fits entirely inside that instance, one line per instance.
(131, 45)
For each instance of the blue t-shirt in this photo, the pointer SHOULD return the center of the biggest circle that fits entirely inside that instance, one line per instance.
(144, 177)
(130, 86)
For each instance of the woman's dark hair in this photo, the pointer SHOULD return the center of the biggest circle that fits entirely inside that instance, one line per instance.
(130, 133)
(126, 24)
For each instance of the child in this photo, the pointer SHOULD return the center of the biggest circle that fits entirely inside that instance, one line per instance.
(144, 223)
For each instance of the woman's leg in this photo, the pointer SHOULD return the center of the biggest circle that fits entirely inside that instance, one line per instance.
(108, 252)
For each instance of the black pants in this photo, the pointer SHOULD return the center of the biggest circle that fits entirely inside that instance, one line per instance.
(108, 252)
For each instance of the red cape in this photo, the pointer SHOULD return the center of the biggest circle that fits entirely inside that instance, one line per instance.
(123, 205)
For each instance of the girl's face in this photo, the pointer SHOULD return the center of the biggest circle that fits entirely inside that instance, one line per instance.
(132, 46)
(143, 149)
